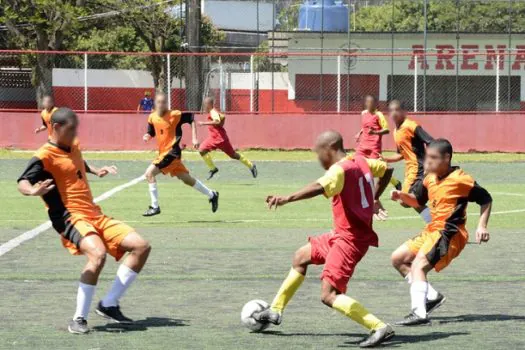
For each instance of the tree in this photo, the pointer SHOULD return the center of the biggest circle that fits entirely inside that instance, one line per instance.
(42, 25)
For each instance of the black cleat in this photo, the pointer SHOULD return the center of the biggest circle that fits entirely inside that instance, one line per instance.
(112, 313)
(214, 201)
(268, 316)
(78, 326)
(399, 186)
(212, 173)
(254, 171)
(152, 211)
(413, 320)
(432, 305)
(378, 336)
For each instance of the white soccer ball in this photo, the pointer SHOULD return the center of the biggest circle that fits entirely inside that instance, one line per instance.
(247, 315)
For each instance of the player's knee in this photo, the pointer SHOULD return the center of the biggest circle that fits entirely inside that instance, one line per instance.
(397, 259)
(143, 248)
(328, 297)
(98, 259)
(149, 177)
(300, 258)
(420, 263)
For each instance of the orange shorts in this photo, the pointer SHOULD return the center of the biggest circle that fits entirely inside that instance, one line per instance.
(170, 166)
(439, 249)
(111, 231)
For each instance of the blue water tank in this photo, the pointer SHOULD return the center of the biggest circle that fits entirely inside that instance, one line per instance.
(335, 14)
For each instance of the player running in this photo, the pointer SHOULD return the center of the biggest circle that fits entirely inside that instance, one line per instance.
(350, 183)
(411, 140)
(448, 189)
(49, 108)
(370, 137)
(166, 126)
(57, 173)
(218, 139)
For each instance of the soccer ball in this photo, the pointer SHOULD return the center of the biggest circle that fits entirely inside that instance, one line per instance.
(247, 312)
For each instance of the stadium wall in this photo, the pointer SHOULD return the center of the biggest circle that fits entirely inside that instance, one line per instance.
(486, 132)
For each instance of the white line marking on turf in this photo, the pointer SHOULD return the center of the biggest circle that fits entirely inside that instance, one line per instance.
(26, 236)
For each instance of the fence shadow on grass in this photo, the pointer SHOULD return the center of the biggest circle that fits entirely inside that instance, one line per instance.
(401, 339)
(142, 325)
(477, 318)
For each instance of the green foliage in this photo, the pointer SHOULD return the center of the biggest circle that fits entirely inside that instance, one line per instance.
(264, 63)
(288, 16)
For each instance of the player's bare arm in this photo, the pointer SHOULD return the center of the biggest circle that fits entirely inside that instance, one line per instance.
(212, 122)
(195, 139)
(358, 135)
(406, 198)
(378, 132)
(40, 129)
(309, 191)
(39, 189)
(394, 158)
(482, 233)
(101, 172)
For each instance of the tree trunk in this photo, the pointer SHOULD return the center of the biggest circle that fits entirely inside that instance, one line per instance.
(194, 80)
(43, 72)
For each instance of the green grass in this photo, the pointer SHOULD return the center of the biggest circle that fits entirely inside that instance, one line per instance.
(205, 266)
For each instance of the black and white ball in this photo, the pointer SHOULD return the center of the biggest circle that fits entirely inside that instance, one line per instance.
(247, 312)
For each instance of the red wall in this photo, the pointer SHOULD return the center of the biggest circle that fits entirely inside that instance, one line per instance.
(480, 132)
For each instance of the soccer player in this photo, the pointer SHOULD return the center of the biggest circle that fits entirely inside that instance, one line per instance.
(448, 189)
(370, 137)
(349, 181)
(49, 108)
(218, 139)
(166, 126)
(57, 173)
(146, 103)
(411, 140)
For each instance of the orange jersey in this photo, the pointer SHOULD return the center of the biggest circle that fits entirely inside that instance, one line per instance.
(71, 195)
(411, 139)
(168, 131)
(46, 119)
(448, 198)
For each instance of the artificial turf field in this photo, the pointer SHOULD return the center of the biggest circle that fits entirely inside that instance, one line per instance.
(204, 266)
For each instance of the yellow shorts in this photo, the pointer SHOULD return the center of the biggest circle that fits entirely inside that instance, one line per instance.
(111, 231)
(439, 249)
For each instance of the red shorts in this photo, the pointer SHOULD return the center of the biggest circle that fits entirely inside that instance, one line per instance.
(368, 153)
(211, 144)
(339, 255)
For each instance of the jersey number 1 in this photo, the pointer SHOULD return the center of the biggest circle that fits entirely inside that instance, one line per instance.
(364, 201)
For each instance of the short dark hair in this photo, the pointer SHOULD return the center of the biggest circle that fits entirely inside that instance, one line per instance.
(400, 103)
(443, 146)
(63, 115)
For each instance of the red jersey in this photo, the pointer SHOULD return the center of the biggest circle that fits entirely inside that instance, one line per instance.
(217, 132)
(374, 121)
(350, 184)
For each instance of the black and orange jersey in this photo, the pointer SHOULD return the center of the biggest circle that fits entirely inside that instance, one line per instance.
(46, 119)
(448, 198)
(67, 169)
(411, 140)
(168, 131)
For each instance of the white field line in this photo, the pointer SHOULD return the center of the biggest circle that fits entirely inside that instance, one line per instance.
(26, 236)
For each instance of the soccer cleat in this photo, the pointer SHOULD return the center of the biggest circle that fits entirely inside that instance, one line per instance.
(78, 326)
(214, 201)
(432, 305)
(152, 211)
(268, 316)
(254, 171)
(212, 173)
(413, 320)
(112, 313)
(378, 336)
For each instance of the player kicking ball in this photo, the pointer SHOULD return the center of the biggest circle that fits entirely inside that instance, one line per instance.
(166, 126)
(218, 139)
(57, 173)
(349, 181)
(448, 189)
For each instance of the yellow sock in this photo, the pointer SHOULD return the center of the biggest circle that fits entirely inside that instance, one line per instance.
(209, 161)
(394, 182)
(353, 309)
(245, 161)
(290, 285)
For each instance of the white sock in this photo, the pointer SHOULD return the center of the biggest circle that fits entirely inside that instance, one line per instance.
(154, 194)
(425, 215)
(199, 186)
(125, 276)
(84, 297)
(418, 294)
(408, 278)
(432, 294)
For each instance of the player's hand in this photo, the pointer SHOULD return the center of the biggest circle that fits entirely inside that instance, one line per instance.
(276, 201)
(200, 123)
(380, 213)
(196, 143)
(482, 235)
(146, 137)
(37, 130)
(395, 195)
(372, 132)
(42, 187)
(105, 170)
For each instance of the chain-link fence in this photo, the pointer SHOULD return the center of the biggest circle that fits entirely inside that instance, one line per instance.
(475, 77)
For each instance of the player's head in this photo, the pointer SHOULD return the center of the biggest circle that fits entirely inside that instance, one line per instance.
(161, 103)
(65, 126)
(327, 146)
(438, 156)
(48, 102)
(208, 104)
(370, 103)
(397, 111)
(147, 94)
